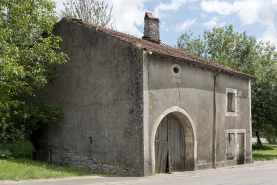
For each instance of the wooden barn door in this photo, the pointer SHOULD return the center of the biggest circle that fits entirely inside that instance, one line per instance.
(240, 148)
(170, 145)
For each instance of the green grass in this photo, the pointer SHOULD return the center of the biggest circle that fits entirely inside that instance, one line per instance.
(265, 155)
(20, 169)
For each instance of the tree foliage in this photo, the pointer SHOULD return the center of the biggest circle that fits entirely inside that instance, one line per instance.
(91, 11)
(27, 58)
(244, 53)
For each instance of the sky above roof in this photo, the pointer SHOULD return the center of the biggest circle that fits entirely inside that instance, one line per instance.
(257, 17)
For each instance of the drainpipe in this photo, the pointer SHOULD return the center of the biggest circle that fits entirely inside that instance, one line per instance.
(215, 123)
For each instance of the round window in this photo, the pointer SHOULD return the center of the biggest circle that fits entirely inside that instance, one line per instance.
(176, 70)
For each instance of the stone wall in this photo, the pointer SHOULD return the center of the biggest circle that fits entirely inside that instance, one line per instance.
(100, 92)
(151, 30)
(56, 155)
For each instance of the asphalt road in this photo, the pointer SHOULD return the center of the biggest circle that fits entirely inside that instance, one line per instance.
(259, 173)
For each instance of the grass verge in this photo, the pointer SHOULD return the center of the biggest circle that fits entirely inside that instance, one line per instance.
(265, 154)
(20, 169)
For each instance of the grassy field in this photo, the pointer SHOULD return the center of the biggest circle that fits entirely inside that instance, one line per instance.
(19, 169)
(265, 155)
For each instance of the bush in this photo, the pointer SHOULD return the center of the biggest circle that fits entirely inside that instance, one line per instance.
(21, 148)
(261, 147)
(5, 153)
(19, 122)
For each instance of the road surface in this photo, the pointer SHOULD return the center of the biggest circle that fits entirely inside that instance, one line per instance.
(259, 173)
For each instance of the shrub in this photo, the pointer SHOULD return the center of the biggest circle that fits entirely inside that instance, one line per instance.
(5, 153)
(19, 122)
(261, 147)
(20, 148)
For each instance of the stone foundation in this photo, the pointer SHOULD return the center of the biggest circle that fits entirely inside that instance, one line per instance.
(65, 157)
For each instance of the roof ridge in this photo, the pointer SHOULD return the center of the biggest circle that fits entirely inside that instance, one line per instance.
(163, 49)
(104, 28)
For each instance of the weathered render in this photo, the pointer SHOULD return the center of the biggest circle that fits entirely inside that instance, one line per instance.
(193, 93)
(137, 107)
(100, 92)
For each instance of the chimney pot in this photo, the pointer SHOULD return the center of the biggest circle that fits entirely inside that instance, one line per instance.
(151, 28)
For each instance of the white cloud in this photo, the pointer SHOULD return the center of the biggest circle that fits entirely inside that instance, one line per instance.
(221, 24)
(128, 15)
(159, 11)
(213, 22)
(270, 35)
(248, 11)
(163, 25)
(59, 4)
(222, 8)
(185, 25)
(203, 15)
(193, 7)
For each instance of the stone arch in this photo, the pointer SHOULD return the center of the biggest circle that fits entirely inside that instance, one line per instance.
(190, 136)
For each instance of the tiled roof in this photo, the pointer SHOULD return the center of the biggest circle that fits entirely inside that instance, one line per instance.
(165, 50)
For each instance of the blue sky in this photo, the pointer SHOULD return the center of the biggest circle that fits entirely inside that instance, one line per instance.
(256, 17)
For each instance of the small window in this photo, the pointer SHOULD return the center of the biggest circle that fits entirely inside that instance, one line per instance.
(231, 102)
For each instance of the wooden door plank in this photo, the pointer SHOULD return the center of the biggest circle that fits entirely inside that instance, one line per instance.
(161, 133)
(230, 143)
(176, 141)
(161, 147)
(169, 170)
(240, 148)
(161, 156)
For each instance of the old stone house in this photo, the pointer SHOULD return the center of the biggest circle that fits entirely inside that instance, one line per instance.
(136, 106)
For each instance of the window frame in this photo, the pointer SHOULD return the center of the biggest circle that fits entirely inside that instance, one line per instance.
(235, 92)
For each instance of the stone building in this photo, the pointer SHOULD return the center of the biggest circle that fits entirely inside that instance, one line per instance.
(138, 107)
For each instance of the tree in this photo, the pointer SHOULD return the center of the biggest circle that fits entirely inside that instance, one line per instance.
(91, 11)
(27, 59)
(244, 53)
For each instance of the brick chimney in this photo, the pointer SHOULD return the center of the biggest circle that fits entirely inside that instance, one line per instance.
(151, 28)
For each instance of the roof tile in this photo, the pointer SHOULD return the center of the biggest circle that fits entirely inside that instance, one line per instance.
(165, 50)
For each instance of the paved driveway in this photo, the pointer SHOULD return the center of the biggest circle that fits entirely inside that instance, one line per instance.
(250, 174)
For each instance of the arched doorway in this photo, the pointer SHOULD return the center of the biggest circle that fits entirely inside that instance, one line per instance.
(170, 145)
(186, 134)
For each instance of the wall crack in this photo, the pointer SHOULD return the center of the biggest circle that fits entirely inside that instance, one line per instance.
(179, 94)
